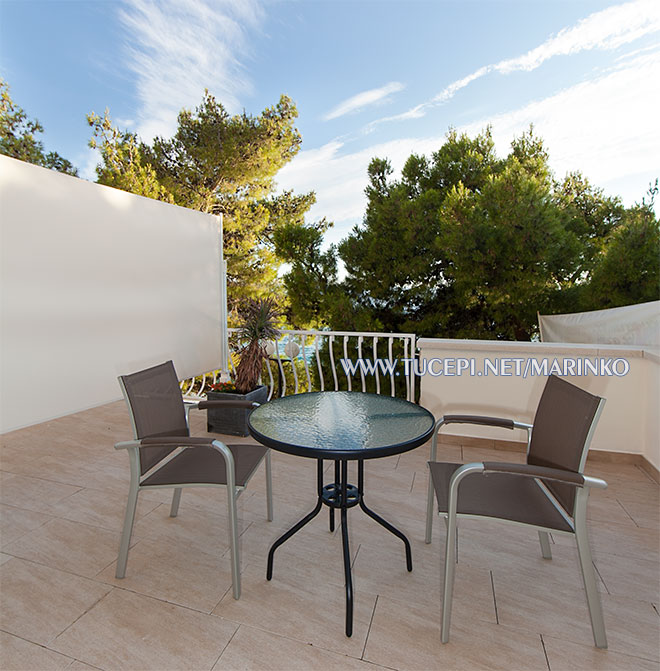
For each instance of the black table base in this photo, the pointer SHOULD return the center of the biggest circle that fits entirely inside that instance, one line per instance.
(339, 494)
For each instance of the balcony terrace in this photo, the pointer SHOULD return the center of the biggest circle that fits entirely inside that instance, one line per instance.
(63, 492)
(124, 297)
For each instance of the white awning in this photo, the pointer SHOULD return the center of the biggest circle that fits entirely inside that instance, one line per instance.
(628, 325)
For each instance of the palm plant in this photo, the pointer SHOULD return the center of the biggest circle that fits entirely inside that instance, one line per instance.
(257, 327)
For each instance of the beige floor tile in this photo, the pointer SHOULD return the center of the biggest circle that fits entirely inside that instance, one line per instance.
(81, 666)
(446, 437)
(630, 577)
(547, 609)
(102, 508)
(299, 560)
(39, 602)
(70, 546)
(17, 654)
(63, 468)
(645, 515)
(479, 454)
(309, 611)
(478, 539)
(16, 522)
(385, 574)
(403, 636)
(603, 507)
(619, 539)
(175, 573)
(253, 649)
(12, 458)
(4, 558)
(632, 491)
(130, 631)
(420, 456)
(566, 656)
(203, 530)
(34, 493)
(618, 473)
(314, 539)
(563, 569)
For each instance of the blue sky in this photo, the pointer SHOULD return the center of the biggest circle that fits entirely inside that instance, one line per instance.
(370, 78)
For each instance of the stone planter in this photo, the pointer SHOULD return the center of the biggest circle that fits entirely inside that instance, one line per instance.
(232, 421)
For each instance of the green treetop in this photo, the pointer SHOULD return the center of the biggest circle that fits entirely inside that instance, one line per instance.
(220, 164)
(17, 137)
(469, 245)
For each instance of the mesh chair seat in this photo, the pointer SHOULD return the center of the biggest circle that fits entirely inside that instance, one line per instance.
(499, 495)
(160, 426)
(205, 465)
(549, 491)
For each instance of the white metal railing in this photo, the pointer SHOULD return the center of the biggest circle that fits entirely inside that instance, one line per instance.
(309, 360)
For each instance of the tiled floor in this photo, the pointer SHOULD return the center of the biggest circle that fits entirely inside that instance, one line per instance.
(63, 489)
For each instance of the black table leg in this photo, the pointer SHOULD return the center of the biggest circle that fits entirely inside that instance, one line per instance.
(347, 554)
(298, 526)
(343, 496)
(331, 509)
(379, 519)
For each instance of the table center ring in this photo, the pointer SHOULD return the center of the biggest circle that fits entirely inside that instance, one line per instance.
(331, 495)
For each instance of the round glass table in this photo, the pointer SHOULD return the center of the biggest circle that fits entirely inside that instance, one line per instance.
(341, 426)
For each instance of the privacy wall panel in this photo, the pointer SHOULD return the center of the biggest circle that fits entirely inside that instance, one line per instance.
(96, 282)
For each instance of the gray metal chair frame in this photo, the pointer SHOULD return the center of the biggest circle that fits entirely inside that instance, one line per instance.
(546, 477)
(155, 448)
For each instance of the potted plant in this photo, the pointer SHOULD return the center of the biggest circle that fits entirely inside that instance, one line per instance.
(256, 328)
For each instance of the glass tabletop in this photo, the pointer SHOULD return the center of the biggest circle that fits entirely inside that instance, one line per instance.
(341, 425)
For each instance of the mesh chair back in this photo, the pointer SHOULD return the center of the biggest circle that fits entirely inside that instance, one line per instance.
(562, 424)
(156, 406)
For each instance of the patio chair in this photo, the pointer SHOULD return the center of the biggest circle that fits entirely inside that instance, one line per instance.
(549, 492)
(164, 455)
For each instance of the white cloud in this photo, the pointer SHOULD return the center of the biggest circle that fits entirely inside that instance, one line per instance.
(177, 48)
(339, 179)
(608, 29)
(87, 160)
(361, 100)
(606, 128)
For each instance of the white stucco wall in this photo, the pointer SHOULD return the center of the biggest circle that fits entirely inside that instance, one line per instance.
(630, 420)
(96, 282)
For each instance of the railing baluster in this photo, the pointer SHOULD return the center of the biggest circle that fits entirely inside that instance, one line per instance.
(405, 356)
(332, 362)
(364, 382)
(281, 379)
(293, 364)
(375, 364)
(304, 357)
(389, 356)
(413, 356)
(318, 361)
(348, 377)
(270, 376)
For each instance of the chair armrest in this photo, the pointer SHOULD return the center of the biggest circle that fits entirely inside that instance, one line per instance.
(501, 422)
(203, 405)
(533, 471)
(478, 419)
(127, 444)
(164, 441)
